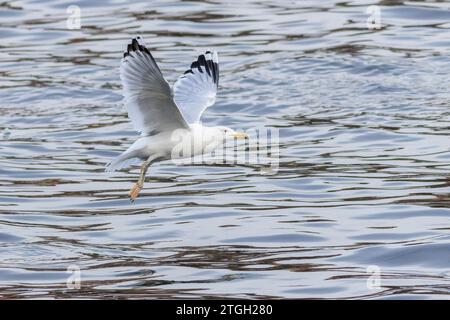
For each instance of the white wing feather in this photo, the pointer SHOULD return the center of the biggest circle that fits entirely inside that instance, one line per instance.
(147, 94)
(196, 89)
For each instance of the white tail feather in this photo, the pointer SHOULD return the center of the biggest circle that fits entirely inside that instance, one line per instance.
(125, 160)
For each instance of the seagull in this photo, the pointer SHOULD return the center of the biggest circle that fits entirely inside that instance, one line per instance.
(158, 111)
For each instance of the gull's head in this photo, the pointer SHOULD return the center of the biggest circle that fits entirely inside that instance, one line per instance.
(209, 138)
(215, 136)
(228, 133)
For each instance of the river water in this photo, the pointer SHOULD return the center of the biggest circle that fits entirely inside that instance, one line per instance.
(359, 205)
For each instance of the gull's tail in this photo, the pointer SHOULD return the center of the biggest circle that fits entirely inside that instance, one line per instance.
(126, 159)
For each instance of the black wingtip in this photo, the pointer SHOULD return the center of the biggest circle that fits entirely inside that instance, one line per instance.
(136, 46)
(205, 63)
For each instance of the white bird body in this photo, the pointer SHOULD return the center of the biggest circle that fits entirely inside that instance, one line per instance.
(169, 120)
(196, 140)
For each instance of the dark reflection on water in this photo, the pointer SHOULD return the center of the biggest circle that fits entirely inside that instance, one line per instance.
(364, 176)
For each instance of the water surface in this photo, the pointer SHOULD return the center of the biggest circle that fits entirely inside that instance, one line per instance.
(364, 173)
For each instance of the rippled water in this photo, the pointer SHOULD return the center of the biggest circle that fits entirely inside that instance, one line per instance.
(364, 176)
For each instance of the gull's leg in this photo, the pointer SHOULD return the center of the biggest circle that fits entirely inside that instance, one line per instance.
(134, 192)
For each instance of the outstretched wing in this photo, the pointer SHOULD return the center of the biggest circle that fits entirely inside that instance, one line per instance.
(196, 89)
(147, 94)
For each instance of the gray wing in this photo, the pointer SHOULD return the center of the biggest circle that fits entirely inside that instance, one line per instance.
(147, 94)
(196, 89)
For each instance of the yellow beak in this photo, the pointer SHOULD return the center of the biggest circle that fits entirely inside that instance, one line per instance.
(240, 135)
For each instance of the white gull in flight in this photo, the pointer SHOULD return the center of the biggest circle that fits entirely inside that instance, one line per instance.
(157, 111)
